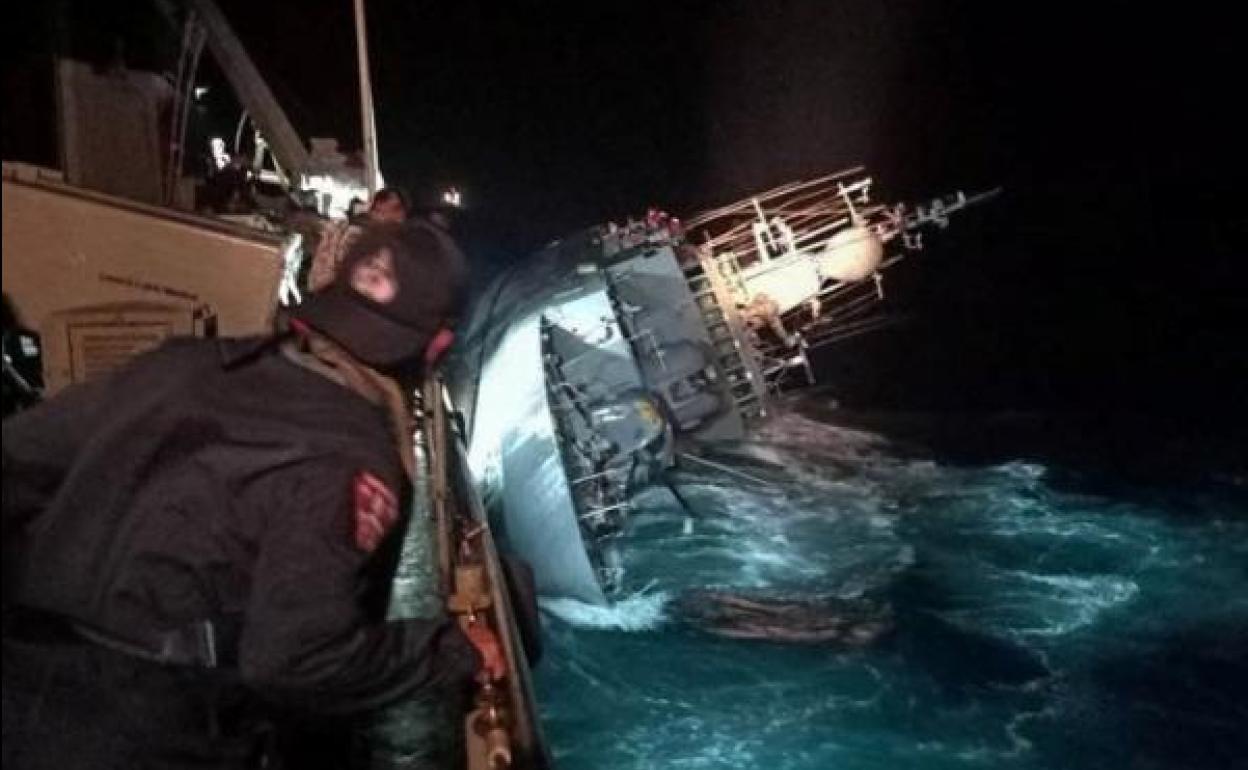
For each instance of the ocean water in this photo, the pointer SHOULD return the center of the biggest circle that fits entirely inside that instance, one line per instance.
(1049, 611)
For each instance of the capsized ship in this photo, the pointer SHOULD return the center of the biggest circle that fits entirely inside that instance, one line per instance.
(588, 370)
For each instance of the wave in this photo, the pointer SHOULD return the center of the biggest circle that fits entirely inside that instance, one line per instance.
(641, 611)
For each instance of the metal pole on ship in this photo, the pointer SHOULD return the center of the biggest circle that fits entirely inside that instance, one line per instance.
(369, 121)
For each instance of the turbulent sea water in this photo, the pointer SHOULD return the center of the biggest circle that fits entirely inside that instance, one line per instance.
(1051, 610)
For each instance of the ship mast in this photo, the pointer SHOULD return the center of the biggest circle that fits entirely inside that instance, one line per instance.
(367, 118)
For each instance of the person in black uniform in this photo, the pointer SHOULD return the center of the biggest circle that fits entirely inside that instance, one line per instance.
(205, 533)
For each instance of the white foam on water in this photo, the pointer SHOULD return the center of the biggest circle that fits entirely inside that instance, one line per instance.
(791, 428)
(642, 611)
(1076, 601)
(1023, 471)
(750, 535)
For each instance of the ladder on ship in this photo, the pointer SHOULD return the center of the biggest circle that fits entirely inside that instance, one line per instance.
(734, 353)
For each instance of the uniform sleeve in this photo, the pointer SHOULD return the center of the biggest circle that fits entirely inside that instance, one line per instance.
(306, 639)
(41, 444)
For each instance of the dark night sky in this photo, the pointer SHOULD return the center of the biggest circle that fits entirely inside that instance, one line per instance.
(1110, 275)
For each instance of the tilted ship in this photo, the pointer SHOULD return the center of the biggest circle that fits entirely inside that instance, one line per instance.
(611, 355)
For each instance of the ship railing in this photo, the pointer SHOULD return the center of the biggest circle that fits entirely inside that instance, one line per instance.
(503, 729)
(599, 485)
(829, 197)
(708, 217)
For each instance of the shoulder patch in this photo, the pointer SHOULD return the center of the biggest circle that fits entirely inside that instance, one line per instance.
(376, 511)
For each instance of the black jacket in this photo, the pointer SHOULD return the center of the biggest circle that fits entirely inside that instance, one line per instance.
(216, 480)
